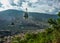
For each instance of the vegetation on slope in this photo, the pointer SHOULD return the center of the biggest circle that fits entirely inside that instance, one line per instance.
(50, 35)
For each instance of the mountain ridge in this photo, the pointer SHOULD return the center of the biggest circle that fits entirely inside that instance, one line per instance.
(35, 20)
(23, 11)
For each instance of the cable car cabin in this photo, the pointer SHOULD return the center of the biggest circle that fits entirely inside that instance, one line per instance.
(26, 15)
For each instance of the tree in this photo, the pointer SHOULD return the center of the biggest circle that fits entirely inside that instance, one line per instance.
(54, 28)
(55, 23)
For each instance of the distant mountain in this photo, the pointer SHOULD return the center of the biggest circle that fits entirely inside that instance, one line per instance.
(35, 20)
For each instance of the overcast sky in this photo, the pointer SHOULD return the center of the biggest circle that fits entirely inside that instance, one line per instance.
(41, 6)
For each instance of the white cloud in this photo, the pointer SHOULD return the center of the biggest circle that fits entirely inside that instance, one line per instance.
(5, 2)
(17, 2)
(42, 6)
(25, 5)
(33, 1)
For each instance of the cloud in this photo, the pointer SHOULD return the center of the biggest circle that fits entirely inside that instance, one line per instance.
(5, 2)
(0, 4)
(41, 6)
(17, 2)
(33, 1)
